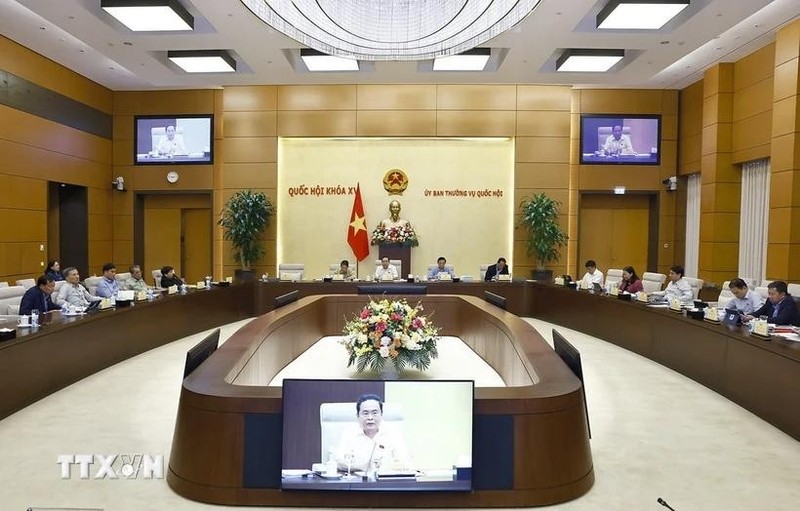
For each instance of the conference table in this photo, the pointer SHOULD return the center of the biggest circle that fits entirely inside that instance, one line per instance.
(759, 375)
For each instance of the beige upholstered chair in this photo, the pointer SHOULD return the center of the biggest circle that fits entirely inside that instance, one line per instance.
(794, 289)
(697, 285)
(613, 277)
(122, 277)
(91, 284)
(397, 263)
(156, 277)
(291, 271)
(10, 295)
(652, 282)
(482, 269)
(763, 291)
(3, 284)
(26, 283)
(58, 285)
(335, 418)
(725, 295)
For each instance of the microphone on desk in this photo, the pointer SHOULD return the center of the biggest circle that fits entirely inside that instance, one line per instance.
(664, 503)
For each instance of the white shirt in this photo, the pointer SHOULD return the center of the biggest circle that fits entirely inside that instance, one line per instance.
(386, 449)
(621, 146)
(752, 301)
(593, 278)
(680, 289)
(74, 294)
(391, 270)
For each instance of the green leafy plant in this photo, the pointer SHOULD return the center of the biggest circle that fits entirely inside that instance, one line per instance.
(545, 236)
(244, 217)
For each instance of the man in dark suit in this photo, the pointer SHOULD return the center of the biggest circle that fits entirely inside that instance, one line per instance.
(496, 269)
(38, 297)
(780, 308)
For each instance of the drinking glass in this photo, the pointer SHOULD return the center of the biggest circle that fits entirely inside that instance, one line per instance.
(348, 457)
(34, 317)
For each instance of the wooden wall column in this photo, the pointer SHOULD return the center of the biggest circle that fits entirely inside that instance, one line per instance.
(783, 252)
(721, 181)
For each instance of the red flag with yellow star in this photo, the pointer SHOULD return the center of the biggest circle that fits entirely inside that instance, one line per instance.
(357, 230)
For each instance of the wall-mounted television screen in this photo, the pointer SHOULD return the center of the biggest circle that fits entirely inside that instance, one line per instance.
(374, 435)
(173, 139)
(620, 139)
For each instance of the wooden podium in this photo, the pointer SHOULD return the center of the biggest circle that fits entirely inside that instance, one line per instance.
(393, 251)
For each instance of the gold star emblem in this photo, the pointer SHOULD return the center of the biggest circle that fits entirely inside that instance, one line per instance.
(358, 224)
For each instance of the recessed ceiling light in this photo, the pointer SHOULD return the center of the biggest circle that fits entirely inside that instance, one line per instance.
(588, 61)
(317, 61)
(472, 60)
(149, 15)
(203, 61)
(639, 14)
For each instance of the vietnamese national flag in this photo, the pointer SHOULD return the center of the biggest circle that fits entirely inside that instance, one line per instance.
(357, 230)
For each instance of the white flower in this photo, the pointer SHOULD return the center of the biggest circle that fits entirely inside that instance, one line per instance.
(385, 341)
(384, 351)
(361, 338)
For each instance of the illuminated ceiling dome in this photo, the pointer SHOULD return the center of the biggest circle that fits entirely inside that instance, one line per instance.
(391, 29)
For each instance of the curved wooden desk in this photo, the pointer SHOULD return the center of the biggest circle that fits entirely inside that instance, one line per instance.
(531, 441)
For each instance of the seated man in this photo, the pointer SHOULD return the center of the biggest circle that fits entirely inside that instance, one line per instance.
(171, 144)
(441, 267)
(779, 309)
(678, 287)
(385, 269)
(745, 300)
(618, 144)
(169, 279)
(108, 287)
(592, 276)
(135, 282)
(38, 297)
(496, 269)
(72, 293)
(369, 444)
(345, 271)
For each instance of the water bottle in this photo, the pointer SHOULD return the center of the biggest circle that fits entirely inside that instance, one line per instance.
(149, 294)
(208, 282)
(35, 318)
(64, 309)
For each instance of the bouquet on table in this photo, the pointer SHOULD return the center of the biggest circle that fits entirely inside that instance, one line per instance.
(390, 331)
(399, 235)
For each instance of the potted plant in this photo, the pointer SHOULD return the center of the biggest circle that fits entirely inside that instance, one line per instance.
(244, 217)
(545, 236)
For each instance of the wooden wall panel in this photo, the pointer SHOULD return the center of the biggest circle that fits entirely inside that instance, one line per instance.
(542, 149)
(541, 175)
(396, 123)
(250, 150)
(250, 124)
(250, 175)
(476, 97)
(32, 66)
(396, 97)
(194, 177)
(197, 101)
(544, 97)
(456, 123)
(254, 98)
(318, 123)
(543, 124)
(317, 97)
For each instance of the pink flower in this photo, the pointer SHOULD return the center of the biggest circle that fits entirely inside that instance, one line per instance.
(364, 314)
(380, 326)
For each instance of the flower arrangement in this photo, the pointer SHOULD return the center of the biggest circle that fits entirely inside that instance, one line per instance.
(390, 330)
(399, 235)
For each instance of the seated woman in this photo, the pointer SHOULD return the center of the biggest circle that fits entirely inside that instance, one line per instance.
(630, 281)
(54, 271)
(168, 277)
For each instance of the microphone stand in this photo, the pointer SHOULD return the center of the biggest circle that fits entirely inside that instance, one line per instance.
(664, 503)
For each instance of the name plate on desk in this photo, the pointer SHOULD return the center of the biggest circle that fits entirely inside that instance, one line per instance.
(141, 295)
(105, 303)
(229, 280)
(504, 277)
(287, 277)
(201, 284)
(613, 291)
(338, 277)
(675, 304)
(760, 327)
(445, 277)
(584, 284)
(387, 277)
(559, 281)
(171, 290)
(641, 296)
(711, 314)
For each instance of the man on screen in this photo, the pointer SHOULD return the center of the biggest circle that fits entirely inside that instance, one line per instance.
(617, 143)
(171, 144)
(369, 444)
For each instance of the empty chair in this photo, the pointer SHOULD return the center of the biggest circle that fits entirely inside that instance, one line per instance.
(613, 277)
(482, 270)
(156, 277)
(291, 271)
(697, 285)
(794, 290)
(26, 283)
(652, 282)
(11, 295)
(91, 284)
(3, 284)
(333, 268)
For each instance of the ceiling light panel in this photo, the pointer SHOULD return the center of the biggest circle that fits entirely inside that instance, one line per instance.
(473, 60)
(150, 15)
(203, 61)
(317, 61)
(639, 14)
(588, 61)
